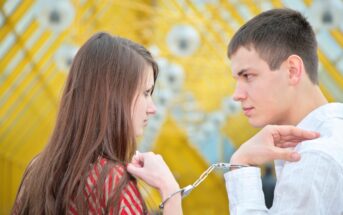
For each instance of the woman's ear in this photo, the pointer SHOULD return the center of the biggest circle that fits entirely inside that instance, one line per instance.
(295, 68)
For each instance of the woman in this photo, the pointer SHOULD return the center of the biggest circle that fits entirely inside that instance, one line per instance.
(105, 105)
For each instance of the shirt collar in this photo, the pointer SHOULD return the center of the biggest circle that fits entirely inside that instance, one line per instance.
(325, 112)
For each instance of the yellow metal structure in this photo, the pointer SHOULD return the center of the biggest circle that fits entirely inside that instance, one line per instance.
(31, 81)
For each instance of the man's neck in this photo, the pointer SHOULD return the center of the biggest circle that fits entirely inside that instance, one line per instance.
(305, 103)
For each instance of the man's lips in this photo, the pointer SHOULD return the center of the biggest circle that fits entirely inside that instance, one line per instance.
(247, 110)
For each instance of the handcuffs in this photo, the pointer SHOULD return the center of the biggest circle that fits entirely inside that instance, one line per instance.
(186, 190)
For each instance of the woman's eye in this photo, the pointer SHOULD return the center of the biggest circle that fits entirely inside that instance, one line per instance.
(147, 93)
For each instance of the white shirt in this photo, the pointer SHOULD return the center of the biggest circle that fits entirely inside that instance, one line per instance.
(313, 185)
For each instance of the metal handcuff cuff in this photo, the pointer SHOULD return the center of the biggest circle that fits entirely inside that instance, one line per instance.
(186, 190)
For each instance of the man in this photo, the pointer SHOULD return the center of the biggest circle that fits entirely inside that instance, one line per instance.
(274, 60)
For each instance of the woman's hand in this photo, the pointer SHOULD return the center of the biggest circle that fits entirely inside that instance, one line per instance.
(272, 143)
(152, 169)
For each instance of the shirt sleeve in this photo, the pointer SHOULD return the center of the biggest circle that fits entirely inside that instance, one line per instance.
(310, 186)
(245, 193)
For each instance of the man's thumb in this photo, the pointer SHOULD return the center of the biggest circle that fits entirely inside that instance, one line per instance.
(288, 155)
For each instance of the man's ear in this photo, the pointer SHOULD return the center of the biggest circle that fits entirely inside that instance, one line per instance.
(295, 68)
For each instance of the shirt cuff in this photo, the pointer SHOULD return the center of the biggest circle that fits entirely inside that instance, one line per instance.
(244, 187)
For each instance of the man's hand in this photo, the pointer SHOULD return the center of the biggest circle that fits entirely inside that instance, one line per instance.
(273, 142)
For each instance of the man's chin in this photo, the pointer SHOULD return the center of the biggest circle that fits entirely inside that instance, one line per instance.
(256, 124)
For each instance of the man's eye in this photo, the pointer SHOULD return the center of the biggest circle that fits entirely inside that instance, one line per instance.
(247, 76)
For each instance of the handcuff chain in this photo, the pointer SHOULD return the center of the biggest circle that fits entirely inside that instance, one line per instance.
(186, 190)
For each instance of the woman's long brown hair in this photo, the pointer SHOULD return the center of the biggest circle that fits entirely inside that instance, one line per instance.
(94, 120)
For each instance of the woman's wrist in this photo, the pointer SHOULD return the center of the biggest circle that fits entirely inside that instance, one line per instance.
(168, 188)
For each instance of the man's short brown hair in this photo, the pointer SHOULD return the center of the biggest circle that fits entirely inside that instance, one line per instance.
(275, 35)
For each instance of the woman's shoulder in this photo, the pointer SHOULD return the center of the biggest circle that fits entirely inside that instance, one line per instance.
(106, 172)
(111, 167)
(113, 172)
(130, 198)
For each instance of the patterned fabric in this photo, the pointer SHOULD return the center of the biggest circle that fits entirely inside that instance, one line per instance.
(130, 199)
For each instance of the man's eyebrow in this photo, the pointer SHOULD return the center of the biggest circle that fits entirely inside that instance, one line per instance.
(240, 73)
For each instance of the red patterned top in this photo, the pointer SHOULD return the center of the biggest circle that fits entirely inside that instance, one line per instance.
(130, 199)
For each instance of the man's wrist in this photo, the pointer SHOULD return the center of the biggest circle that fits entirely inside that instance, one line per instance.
(238, 160)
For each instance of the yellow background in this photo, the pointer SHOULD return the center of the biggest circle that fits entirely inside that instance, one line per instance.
(31, 82)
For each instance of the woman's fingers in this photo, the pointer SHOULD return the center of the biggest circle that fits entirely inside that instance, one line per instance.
(146, 166)
(138, 159)
(135, 170)
(153, 171)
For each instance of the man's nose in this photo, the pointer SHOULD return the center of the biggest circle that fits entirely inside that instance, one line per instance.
(239, 94)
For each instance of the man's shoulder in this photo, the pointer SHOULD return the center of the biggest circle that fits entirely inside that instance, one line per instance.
(330, 140)
(332, 126)
(328, 145)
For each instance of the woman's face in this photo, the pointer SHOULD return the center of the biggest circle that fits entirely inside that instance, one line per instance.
(143, 106)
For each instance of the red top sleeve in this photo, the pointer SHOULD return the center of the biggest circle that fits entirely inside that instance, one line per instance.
(130, 201)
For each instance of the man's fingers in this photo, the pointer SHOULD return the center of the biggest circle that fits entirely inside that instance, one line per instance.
(290, 141)
(288, 144)
(291, 131)
(287, 130)
(286, 154)
(290, 134)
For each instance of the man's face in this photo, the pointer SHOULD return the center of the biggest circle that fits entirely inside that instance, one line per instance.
(265, 95)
